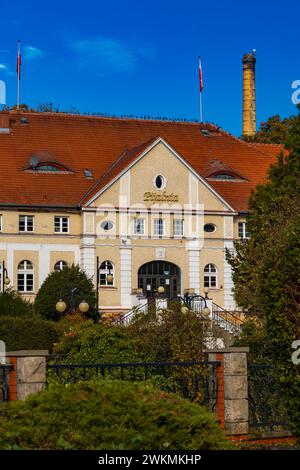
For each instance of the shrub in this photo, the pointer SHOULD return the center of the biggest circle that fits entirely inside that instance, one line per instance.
(27, 333)
(109, 415)
(85, 341)
(12, 304)
(168, 336)
(58, 285)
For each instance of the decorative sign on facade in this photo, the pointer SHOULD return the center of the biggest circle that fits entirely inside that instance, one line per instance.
(160, 197)
(160, 253)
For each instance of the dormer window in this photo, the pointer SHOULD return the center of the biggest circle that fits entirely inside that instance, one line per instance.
(48, 167)
(224, 176)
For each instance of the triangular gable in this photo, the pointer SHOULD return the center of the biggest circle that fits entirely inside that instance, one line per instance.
(130, 158)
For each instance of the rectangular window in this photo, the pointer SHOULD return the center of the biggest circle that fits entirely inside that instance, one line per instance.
(178, 227)
(158, 227)
(25, 282)
(242, 229)
(26, 223)
(61, 224)
(139, 226)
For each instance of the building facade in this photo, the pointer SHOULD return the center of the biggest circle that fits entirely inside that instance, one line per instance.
(157, 202)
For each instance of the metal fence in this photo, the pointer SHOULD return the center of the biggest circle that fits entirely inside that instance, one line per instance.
(196, 381)
(266, 405)
(5, 369)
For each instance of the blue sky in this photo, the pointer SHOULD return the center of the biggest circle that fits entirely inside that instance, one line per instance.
(140, 57)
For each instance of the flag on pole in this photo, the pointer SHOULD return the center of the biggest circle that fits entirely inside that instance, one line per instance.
(19, 61)
(200, 76)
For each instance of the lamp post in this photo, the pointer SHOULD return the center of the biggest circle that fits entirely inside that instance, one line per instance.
(109, 278)
(61, 305)
(5, 279)
(188, 299)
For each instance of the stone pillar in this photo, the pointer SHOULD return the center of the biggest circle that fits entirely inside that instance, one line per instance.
(232, 393)
(236, 412)
(30, 372)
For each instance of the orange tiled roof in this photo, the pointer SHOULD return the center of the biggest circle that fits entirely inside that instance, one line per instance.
(106, 146)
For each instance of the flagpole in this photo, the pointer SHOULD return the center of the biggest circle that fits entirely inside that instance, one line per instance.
(201, 113)
(200, 88)
(18, 71)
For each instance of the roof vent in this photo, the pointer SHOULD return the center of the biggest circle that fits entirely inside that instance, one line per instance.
(34, 161)
(24, 120)
(88, 173)
(205, 132)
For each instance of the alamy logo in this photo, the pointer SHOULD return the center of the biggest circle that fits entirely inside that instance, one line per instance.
(296, 354)
(2, 92)
(296, 93)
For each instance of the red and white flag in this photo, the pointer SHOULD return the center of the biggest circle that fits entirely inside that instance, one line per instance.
(200, 76)
(19, 61)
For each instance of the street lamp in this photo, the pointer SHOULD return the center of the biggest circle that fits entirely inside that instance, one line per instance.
(109, 278)
(61, 306)
(5, 279)
(161, 289)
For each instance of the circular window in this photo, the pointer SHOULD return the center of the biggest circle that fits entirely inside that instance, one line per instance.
(107, 225)
(159, 182)
(209, 228)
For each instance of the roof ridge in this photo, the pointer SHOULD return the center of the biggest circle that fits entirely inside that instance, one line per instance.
(167, 120)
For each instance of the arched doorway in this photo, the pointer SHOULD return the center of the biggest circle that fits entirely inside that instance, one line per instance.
(159, 273)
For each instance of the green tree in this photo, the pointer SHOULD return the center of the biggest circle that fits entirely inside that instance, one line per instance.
(273, 131)
(266, 268)
(12, 304)
(58, 285)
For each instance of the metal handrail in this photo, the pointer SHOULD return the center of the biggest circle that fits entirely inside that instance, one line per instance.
(124, 320)
(220, 315)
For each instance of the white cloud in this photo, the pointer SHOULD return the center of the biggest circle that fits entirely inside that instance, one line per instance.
(105, 54)
(3, 67)
(31, 53)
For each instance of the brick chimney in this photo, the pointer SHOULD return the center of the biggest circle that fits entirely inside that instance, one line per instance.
(4, 122)
(249, 98)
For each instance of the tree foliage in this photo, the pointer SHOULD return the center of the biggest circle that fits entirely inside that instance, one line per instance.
(13, 304)
(273, 131)
(168, 336)
(266, 268)
(58, 285)
(19, 333)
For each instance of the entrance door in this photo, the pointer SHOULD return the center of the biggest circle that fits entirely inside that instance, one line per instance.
(159, 273)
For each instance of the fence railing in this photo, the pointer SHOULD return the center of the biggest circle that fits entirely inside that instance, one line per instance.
(228, 321)
(193, 380)
(267, 410)
(5, 369)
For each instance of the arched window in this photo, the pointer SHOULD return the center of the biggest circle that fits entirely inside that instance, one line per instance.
(106, 268)
(60, 265)
(25, 276)
(210, 276)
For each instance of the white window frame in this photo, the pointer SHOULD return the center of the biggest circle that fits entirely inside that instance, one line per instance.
(28, 274)
(135, 226)
(62, 264)
(243, 234)
(159, 227)
(59, 224)
(178, 227)
(210, 278)
(26, 219)
(105, 269)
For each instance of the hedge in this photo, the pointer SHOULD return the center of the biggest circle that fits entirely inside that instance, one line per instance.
(114, 415)
(27, 333)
